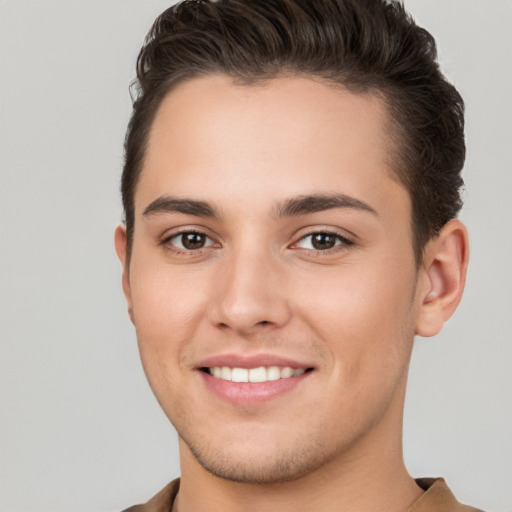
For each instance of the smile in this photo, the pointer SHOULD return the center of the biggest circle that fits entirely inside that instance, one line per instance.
(260, 374)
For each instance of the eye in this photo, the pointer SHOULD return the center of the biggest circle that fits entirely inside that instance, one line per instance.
(189, 241)
(322, 241)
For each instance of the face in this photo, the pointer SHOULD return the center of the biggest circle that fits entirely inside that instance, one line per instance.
(272, 281)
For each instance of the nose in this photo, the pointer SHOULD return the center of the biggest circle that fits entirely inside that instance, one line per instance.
(250, 293)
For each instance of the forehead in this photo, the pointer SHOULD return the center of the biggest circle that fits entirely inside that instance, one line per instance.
(285, 136)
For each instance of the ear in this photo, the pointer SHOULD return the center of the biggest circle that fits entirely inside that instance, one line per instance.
(443, 277)
(121, 244)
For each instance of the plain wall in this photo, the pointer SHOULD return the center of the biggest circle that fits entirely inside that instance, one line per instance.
(79, 427)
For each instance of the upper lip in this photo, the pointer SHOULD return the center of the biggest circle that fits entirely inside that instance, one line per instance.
(251, 361)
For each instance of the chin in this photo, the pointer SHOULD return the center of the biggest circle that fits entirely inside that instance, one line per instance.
(261, 464)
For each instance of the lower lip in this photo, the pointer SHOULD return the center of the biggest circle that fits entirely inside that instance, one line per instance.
(251, 393)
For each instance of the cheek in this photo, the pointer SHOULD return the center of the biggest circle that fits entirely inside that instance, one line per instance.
(168, 306)
(365, 315)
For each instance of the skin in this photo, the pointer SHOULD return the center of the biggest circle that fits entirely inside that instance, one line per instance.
(258, 286)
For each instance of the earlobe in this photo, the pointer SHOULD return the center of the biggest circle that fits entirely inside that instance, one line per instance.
(121, 245)
(444, 276)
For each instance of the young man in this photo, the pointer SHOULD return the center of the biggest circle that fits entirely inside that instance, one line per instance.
(291, 187)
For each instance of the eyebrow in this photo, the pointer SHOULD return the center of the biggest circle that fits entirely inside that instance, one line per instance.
(302, 205)
(169, 204)
(293, 207)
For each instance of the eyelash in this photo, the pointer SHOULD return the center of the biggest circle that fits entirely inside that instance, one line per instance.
(342, 243)
(185, 252)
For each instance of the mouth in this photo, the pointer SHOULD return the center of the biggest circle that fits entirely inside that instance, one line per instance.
(252, 380)
(254, 375)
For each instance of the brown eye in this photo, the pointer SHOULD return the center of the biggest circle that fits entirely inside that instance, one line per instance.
(193, 240)
(323, 241)
(189, 241)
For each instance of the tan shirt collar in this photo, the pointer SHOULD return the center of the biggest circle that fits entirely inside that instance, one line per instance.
(437, 498)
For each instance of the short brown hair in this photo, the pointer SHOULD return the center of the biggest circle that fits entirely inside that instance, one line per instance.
(367, 46)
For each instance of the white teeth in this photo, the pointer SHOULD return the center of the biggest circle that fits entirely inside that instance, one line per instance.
(258, 374)
(273, 373)
(225, 373)
(240, 375)
(286, 372)
(261, 374)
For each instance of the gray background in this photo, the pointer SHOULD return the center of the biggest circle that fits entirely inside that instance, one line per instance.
(79, 427)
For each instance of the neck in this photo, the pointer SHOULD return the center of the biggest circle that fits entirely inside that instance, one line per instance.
(368, 477)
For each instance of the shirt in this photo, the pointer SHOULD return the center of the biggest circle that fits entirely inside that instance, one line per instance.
(437, 498)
